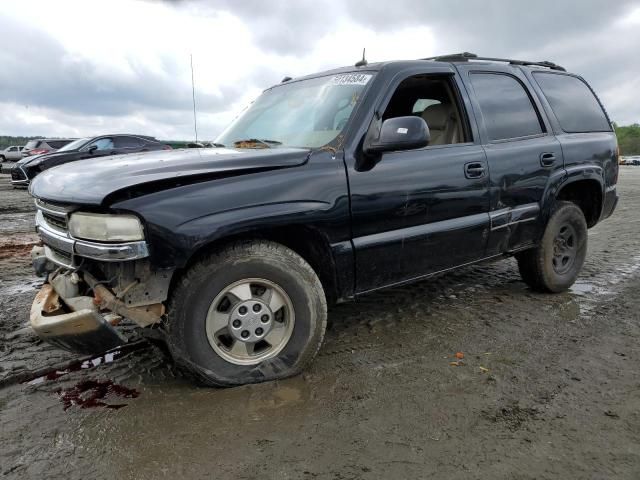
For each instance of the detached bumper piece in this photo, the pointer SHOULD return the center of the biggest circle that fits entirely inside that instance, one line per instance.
(81, 330)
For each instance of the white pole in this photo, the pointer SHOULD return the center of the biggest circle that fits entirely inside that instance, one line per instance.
(193, 93)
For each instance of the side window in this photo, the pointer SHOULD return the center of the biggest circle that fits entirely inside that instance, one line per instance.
(128, 142)
(505, 105)
(573, 103)
(103, 144)
(13, 149)
(432, 98)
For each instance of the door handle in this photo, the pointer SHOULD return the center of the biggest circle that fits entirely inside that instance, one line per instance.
(474, 170)
(547, 159)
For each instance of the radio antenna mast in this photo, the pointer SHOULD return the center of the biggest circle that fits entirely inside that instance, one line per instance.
(193, 94)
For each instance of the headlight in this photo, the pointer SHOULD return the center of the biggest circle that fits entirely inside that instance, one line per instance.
(106, 228)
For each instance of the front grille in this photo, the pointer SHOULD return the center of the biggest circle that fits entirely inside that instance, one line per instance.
(64, 256)
(58, 223)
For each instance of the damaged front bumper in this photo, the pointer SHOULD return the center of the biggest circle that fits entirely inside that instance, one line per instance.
(83, 330)
(64, 315)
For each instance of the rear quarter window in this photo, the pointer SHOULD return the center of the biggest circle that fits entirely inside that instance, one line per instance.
(573, 103)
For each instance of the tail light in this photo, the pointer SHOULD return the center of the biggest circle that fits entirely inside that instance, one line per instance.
(38, 151)
(167, 147)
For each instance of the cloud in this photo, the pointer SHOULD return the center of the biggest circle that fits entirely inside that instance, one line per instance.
(75, 69)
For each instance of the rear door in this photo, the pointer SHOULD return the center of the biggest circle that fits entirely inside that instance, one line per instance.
(522, 152)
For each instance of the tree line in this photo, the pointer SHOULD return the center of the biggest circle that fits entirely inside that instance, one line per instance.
(628, 139)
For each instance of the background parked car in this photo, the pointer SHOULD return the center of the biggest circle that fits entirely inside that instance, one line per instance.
(27, 168)
(44, 145)
(11, 154)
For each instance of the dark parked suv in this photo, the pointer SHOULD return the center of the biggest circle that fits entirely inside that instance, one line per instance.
(328, 187)
(26, 169)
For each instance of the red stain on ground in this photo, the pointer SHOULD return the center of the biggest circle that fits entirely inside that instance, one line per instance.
(94, 393)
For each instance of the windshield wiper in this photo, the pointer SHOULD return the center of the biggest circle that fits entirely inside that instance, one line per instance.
(262, 141)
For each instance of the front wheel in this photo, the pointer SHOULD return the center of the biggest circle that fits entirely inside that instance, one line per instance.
(255, 311)
(554, 265)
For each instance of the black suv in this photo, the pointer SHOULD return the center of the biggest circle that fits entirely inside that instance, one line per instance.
(328, 187)
(26, 169)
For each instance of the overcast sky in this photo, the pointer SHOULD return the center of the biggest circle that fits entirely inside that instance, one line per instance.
(75, 68)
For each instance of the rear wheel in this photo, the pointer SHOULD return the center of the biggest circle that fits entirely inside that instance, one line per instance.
(554, 265)
(253, 312)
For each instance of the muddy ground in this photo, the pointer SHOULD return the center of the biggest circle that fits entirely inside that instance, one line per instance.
(549, 388)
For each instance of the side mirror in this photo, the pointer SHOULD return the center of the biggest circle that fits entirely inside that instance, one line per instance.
(92, 149)
(400, 133)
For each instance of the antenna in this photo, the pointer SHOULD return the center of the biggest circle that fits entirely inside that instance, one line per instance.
(193, 93)
(363, 62)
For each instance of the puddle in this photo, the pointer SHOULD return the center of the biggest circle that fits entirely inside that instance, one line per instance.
(95, 393)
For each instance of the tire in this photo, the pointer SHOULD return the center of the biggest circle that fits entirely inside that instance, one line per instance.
(203, 296)
(2, 159)
(565, 237)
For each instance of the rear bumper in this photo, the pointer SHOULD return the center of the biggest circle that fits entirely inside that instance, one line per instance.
(83, 330)
(610, 202)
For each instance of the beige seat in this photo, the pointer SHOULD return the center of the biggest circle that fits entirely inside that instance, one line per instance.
(441, 120)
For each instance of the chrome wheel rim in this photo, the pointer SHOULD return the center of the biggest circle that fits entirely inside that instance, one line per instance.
(250, 321)
(565, 249)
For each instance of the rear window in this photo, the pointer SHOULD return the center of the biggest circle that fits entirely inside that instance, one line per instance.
(58, 143)
(31, 144)
(573, 103)
(506, 107)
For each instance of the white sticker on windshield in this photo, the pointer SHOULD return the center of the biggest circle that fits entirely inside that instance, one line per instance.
(350, 79)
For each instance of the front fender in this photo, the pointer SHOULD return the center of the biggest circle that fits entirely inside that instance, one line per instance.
(200, 232)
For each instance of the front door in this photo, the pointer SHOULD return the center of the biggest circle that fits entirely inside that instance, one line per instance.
(421, 211)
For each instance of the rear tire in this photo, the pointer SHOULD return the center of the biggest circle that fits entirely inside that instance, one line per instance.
(555, 264)
(253, 312)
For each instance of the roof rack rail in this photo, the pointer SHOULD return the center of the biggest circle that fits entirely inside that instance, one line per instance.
(466, 56)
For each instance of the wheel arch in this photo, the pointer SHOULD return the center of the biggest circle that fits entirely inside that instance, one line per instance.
(583, 186)
(586, 193)
(305, 240)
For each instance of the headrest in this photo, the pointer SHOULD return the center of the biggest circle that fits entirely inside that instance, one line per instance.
(436, 116)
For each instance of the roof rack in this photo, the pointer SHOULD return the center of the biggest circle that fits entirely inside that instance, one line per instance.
(466, 56)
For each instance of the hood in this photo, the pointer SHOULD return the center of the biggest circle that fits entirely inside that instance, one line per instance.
(90, 181)
(30, 159)
(35, 159)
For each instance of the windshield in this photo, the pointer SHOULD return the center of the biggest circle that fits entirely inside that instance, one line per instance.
(309, 113)
(76, 144)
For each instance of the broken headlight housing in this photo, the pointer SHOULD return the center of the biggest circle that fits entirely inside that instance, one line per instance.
(105, 227)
